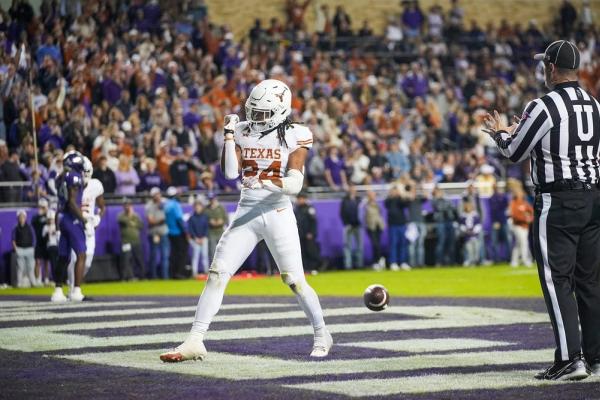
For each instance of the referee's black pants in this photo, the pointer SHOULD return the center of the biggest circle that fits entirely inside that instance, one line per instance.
(566, 238)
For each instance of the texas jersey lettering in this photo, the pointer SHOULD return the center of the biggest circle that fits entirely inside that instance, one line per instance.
(267, 157)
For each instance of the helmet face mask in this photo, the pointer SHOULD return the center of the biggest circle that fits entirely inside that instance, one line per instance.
(268, 105)
(74, 161)
(257, 115)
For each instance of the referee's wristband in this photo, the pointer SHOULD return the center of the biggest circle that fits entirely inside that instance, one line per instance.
(498, 134)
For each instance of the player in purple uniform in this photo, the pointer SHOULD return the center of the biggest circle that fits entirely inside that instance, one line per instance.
(69, 185)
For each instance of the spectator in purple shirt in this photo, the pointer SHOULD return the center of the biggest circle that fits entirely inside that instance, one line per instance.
(415, 84)
(127, 177)
(111, 90)
(412, 18)
(152, 14)
(150, 177)
(470, 226)
(230, 61)
(498, 204)
(335, 169)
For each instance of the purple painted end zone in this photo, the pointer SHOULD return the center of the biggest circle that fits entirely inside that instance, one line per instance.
(41, 376)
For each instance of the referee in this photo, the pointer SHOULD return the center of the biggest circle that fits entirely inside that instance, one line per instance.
(561, 133)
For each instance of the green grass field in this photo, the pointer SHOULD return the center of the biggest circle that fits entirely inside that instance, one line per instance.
(492, 281)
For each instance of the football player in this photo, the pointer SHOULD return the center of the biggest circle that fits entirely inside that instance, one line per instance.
(93, 194)
(71, 222)
(270, 151)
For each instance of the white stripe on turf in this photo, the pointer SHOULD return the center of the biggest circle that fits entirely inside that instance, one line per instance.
(428, 345)
(32, 308)
(47, 338)
(244, 367)
(430, 383)
(265, 316)
(73, 312)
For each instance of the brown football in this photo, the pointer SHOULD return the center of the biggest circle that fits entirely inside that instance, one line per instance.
(376, 298)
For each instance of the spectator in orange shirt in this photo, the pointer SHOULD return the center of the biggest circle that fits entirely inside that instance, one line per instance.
(522, 216)
(217, 95)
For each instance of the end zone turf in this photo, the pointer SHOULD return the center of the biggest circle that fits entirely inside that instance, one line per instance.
(420, 348)
(492, 281)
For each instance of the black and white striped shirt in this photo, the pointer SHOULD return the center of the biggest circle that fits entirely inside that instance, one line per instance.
(561, 133)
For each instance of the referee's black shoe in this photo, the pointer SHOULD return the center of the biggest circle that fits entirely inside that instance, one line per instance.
(573, 370)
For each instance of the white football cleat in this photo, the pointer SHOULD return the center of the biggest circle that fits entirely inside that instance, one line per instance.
(322, 345)
(58, 296)
(190, 349)
(76, 295)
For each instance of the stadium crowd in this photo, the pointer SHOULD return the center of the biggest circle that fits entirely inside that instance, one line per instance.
(142, 87)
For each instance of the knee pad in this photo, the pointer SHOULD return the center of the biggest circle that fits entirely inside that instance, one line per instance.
(217, 274)
(295, 283)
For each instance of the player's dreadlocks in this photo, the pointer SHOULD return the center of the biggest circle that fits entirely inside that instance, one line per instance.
(281, 128)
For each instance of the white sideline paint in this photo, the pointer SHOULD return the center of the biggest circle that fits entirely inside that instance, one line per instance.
(151, 309)
(43, 307)
(241, 367)
(17, 303)
(48, 338)
(428, 345)
(430, 383)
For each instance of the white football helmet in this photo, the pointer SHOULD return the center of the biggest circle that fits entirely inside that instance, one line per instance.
(88, 169)
(268, 105)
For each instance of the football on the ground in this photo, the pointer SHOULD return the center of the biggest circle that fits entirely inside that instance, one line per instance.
(376, 298)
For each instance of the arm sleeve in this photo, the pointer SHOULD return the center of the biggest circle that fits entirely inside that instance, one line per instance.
(291, 183)
(231, 161)
(535, 124)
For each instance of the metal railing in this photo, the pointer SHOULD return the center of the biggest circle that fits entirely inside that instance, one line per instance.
(314, 192)
(12, 194)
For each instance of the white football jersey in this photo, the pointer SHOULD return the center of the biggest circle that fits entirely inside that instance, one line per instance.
(266, 157)
(91, 192)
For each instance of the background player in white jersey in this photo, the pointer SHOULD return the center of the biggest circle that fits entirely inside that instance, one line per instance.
(271, 152)
(93, 195)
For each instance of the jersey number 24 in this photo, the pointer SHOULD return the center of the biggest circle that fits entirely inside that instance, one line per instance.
(250, 168)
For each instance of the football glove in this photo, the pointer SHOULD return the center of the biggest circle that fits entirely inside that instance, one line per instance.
(93, 220)
(230, 122)
(252, 182)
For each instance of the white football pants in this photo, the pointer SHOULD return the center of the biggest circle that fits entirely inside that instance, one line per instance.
(276, 224)
(90, 248)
